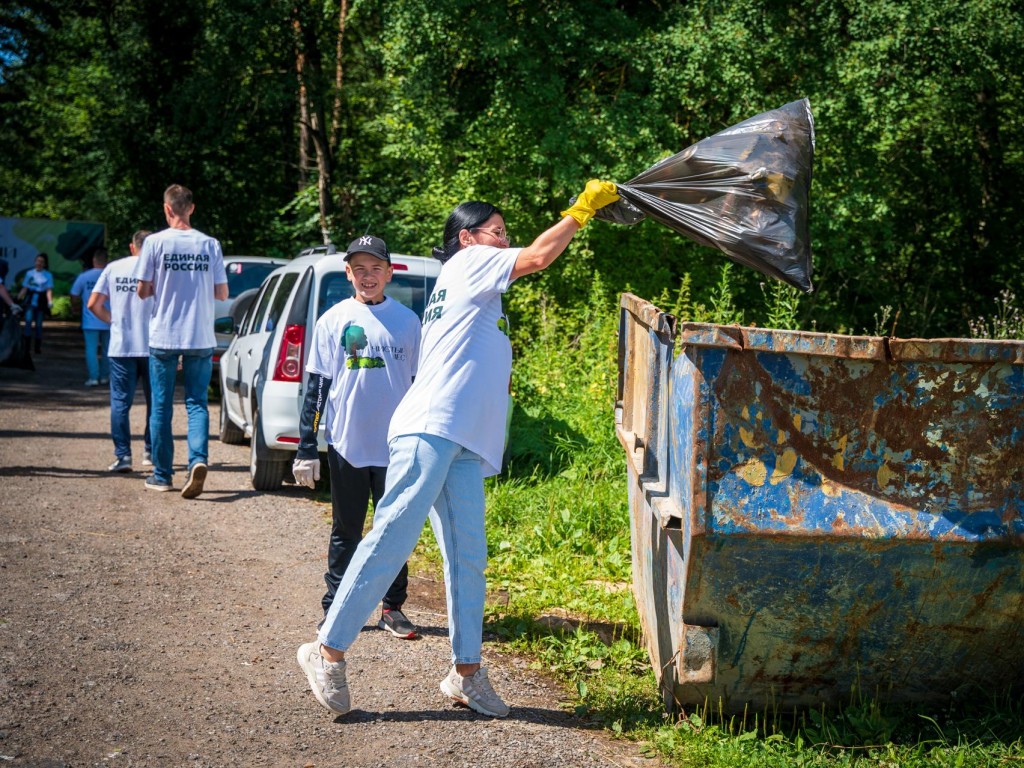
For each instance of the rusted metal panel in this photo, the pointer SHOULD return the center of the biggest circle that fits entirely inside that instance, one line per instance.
(811, 511)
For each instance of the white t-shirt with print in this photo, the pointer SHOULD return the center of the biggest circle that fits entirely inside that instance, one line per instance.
(184, 265)
(129, 315)
(370, 355)
(83, 287)
(461, 390)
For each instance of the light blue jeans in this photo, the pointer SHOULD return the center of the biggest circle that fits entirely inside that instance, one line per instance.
(196, 367)
(427, 476)
(96, 343)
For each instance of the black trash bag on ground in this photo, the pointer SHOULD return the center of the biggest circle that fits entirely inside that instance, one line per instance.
(744, 191)
(14, 348)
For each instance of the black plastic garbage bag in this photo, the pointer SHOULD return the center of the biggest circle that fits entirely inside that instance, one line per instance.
(744, 191)
(13, 346)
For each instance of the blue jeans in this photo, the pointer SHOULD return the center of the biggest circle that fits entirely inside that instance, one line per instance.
(197, 367)
(96, 343)
(33, 315)
(125, 373)
(427, 476)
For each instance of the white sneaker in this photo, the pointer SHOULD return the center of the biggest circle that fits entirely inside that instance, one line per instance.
(196, 478)
(474, 692)
(326, 678)
(147, 459)
(91, 383)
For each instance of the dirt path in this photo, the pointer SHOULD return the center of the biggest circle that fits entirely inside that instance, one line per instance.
(141, 629)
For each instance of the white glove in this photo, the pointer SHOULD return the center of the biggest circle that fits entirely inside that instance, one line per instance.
(306, 471)
(15, 310)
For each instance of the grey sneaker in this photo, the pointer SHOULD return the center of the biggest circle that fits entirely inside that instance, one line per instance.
(152, 484)
(474, 692)
(147, 459)
(326, 678)
(395, 622)
(123, 464)
(196, 478)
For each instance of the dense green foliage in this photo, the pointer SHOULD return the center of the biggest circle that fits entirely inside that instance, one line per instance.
(918, 103)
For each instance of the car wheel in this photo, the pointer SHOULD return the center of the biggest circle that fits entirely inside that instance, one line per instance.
(265, 471)
(230, 434)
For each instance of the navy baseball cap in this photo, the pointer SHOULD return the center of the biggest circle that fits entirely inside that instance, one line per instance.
(368, 244)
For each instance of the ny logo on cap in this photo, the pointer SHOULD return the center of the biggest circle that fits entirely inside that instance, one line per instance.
(366, 240)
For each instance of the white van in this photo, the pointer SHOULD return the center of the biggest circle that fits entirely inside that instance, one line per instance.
(262, 372)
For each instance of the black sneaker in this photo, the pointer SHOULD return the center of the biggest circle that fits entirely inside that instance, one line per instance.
(123, 464)
(395, 622)
(152, 484)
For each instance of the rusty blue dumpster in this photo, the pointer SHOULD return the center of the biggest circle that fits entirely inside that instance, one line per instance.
(817, 514)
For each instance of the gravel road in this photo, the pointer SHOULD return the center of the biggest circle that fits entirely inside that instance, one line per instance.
(142, 629)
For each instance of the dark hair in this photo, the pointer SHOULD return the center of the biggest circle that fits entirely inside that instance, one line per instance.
(139, 237)
(45, 258)
(179, 198)
(468, 215)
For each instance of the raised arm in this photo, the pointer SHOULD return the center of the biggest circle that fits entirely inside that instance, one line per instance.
(550, 244)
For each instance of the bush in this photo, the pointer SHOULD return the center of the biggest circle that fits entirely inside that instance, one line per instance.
(62, 309)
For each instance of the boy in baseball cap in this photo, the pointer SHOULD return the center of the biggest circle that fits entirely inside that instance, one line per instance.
(362, 361)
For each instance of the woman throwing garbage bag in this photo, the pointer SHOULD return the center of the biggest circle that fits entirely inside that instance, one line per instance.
(446, 436)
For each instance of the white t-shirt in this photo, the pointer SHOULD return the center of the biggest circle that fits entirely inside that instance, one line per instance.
(184, 265)
(461, 389)
(129, 326)
(370, 354)
(83, 286)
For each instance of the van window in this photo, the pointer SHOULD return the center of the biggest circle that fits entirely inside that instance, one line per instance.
(256, 322)
(280, 299)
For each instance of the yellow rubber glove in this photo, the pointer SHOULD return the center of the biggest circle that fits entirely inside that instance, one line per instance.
(597, 195)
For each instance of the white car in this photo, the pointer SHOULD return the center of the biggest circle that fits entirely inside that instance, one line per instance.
(262, 372)
(245, 275)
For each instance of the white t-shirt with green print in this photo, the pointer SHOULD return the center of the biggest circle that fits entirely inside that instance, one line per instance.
(369, 353)
(461, 389)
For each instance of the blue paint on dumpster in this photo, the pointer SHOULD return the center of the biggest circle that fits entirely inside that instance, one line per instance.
(813, 513)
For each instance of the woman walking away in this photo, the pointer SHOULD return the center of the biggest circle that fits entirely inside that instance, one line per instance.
(446, 436)
(37, 293)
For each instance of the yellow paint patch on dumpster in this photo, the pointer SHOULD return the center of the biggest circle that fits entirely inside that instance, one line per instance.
(798, 419)
(747, 436)
(784, 465)
(839, 459)
(753, 471)
(829, 488)
(884, 475)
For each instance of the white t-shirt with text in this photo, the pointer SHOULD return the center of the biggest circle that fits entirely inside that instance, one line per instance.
(461, 389)
(370, 354)
(184, 265)
(129, 315)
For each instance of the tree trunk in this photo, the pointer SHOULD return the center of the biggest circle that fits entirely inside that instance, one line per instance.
(338, 76)
(312, 127)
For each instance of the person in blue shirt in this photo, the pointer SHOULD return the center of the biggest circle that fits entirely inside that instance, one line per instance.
(37, 296)
(95, 330)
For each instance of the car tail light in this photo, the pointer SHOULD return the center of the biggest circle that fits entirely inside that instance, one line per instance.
(289, 357)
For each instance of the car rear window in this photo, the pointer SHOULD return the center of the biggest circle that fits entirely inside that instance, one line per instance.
(243, 275)
(411, 291)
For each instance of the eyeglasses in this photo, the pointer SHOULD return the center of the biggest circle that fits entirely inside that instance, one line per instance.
(498, 233)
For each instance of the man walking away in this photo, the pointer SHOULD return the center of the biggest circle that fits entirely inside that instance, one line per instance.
(183, 270)
(95, 330)
(129, 350)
